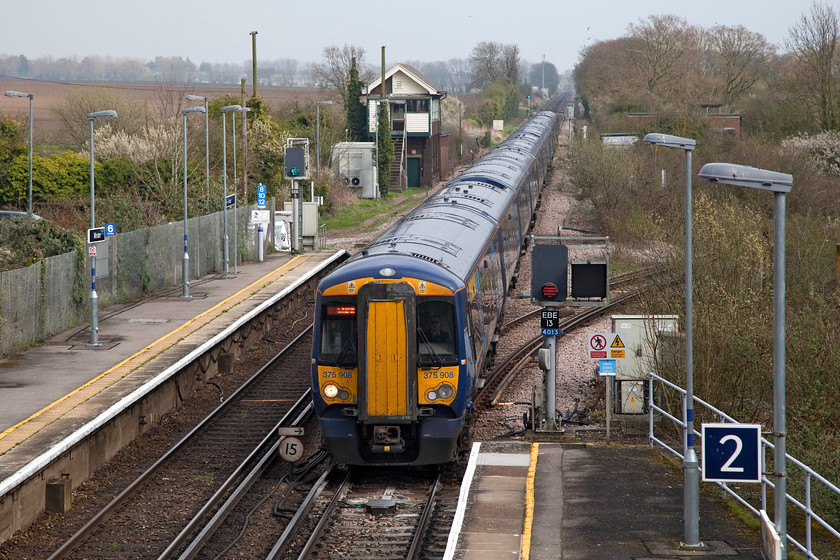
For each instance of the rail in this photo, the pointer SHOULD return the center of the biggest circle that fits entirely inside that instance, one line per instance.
(809, 475)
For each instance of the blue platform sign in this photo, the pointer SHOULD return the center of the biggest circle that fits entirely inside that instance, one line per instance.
(230, 200)
(732, 452)
(110, 229)
(260, 195)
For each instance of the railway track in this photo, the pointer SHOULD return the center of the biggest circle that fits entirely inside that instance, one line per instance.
(502, 375)
(371, 515)
(153, 510)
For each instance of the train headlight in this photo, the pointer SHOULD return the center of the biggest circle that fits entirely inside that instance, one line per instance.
(330, 390)
(445, 391)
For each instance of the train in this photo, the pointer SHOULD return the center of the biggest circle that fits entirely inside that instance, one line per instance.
(403, 328)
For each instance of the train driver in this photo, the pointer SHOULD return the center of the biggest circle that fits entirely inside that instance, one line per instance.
(435, 332)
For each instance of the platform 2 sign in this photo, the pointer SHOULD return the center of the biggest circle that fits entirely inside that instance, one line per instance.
(731, 452)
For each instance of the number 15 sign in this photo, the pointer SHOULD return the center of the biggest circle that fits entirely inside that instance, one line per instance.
(731, 452)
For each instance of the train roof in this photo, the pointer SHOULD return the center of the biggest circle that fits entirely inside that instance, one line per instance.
(442, 239)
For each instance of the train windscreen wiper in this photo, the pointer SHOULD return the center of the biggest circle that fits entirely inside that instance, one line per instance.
(430, 355)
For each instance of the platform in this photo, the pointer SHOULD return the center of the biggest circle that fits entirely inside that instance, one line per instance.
(57, 394)
(585, 501)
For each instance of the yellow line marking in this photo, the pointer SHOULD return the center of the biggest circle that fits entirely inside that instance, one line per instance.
(262, 282)
(525, 547)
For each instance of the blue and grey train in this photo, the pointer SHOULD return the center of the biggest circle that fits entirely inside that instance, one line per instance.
(403, 327)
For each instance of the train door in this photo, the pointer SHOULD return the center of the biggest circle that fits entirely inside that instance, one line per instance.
(387, 378)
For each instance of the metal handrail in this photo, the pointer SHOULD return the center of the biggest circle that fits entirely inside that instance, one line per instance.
(809, 473)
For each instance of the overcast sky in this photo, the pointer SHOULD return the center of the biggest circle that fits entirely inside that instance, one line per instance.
(218, 31)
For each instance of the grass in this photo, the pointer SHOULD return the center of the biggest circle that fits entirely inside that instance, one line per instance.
(367, 215)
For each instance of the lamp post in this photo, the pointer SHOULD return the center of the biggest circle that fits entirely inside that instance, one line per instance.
(94, 298)
(226, 110)
(691, 468)
(233, 126)
(31, 97)
(206, 140)
(318, 136)
(185, 266)
(779, 184)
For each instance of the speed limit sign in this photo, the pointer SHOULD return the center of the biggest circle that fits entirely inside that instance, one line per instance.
(291, 449)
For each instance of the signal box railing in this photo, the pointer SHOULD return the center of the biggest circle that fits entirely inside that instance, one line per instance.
(657, 385)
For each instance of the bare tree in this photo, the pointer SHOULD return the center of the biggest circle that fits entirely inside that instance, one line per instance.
(813, 40)
(511, 62)
(334, 71)
(485, 63)
(664, 53)
(738, 58)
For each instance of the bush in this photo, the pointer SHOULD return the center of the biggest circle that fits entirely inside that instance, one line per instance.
(59, 176)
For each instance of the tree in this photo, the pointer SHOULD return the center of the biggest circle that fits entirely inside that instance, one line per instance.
(813, 40)
(386, 149)
(547, 69)
(739, 59)
(485, 66)
(664, 54)
(356, 113)
(334, 71)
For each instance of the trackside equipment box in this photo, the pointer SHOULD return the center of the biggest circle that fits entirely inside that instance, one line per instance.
(646, 339)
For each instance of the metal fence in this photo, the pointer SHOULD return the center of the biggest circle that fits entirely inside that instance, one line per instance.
(52, 295)
(755, 502)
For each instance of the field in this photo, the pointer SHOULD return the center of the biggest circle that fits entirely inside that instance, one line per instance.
(48, 128)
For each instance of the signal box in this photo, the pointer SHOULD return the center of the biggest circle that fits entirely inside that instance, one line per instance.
(549, 273)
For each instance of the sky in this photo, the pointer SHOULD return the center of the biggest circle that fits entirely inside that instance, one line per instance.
(435, 30)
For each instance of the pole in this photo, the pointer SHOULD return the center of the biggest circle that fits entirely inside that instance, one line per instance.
(185, 265)
(31, 97)
(224, 201)
(691, 470)
(779, 459)
(254, 60)
(245, 110)
(207, 148)
(94, 298)
(550, 385)
(317, 140)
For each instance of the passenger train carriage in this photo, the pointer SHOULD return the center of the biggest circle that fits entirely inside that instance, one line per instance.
(403, 327)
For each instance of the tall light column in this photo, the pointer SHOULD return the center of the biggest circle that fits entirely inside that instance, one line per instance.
(235, 226)
(94, 298)
(185, 265)
(779, 184)
(225, 110)
(206, 140)
(31, 97)
(318, 136)
(691, 468)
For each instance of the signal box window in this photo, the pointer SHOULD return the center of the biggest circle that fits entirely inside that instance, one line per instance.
(436, 337)
(338, 336)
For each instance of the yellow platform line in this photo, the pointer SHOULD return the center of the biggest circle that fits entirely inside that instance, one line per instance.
(525, 547)
(71, 400)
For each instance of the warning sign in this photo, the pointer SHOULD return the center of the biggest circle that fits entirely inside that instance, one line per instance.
(617, 348)
(605, 345)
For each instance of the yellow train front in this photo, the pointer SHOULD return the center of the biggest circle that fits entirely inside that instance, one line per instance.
(393, 375)
(403, 327)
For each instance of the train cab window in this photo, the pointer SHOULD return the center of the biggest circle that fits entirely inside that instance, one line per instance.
(436, 337)
(338, 336)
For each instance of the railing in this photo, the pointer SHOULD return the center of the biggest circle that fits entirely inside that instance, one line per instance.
(322, 236)
(809, 475)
